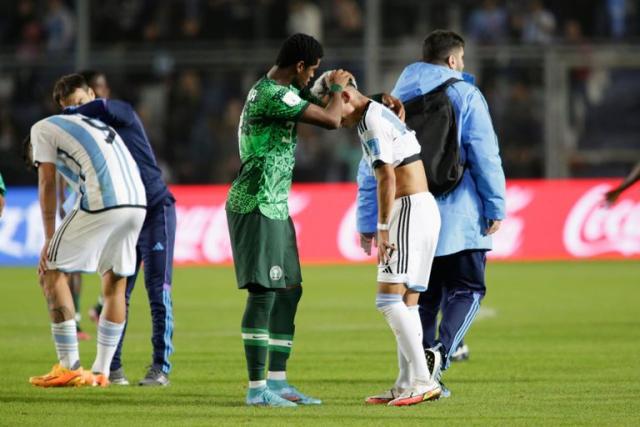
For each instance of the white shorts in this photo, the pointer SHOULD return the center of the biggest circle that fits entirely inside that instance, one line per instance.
(103, 241)
(413, 229)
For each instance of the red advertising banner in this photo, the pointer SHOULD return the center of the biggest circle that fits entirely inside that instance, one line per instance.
(546, 219)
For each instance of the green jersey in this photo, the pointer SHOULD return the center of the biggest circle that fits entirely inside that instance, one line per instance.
(267, 142)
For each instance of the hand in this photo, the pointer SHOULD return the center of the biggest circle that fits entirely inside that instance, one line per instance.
(42, 264)
(385, 249)
(394, 104)
(320, 87)
(610, 197)
(340, 77)
(1, 204)
(365, 241)
(494, 225)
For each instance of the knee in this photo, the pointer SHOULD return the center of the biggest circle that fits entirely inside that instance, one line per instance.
(384, 301)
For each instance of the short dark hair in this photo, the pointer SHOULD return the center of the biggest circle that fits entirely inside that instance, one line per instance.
(438, 45)
(90, 75)
(299, 47)
(68, 84)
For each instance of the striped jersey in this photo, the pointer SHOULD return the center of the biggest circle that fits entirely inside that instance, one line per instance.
(385, 138)
(92, 158)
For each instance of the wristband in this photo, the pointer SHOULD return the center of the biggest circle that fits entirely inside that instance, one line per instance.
(383, 227)
(335, 88)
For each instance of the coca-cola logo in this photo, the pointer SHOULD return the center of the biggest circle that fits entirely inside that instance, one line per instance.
(594, 229)
(202, 233)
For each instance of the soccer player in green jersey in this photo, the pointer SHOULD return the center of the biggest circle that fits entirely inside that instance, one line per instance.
(262, 235)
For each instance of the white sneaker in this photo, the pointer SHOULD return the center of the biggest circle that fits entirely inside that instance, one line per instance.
(461, 354)
(384, 398)
(434, 363)
(418, 394)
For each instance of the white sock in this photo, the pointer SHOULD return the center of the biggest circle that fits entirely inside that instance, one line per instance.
(257, 384)
(109, 334)
(414, 311)
(66, 340)
(403, 381)
(403, 326)
(277, 375)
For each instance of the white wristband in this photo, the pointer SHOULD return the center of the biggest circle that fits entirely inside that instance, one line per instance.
(383, 227)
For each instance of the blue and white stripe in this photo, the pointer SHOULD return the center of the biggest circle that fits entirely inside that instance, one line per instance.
(468, 320)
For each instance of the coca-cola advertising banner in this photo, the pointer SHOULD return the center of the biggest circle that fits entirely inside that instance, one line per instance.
(546, 220)
(558, 219)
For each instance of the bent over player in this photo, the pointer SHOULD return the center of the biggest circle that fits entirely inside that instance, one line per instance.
(263, 238)
(100, 234)
(157, 238)
(408, 227)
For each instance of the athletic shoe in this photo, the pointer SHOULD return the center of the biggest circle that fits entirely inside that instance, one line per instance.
(417, 394)
(445, 390)
(285, 390)
(59, 376)
(461, 354)
(118, 377)
(263, 396)
(434, 363)
(384, 398)
(154, 378)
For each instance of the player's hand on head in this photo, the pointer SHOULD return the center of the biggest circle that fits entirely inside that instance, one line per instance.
(394, 104)
(341, 77)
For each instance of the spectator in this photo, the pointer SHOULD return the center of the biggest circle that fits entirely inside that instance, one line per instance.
(60, 27)
(305, 17)
(488, 24)
(538, 25)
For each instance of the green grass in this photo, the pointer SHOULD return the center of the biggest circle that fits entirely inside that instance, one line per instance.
(558, 344)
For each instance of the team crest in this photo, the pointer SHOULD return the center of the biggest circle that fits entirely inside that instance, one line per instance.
(275, 273)
(291, 99)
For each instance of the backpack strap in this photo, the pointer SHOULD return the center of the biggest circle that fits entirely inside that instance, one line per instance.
(446, 84)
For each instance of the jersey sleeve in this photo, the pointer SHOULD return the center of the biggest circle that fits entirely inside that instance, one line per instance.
(307, 95)
(43, 145)
(110, 111)
(377, 143)
(282, 103)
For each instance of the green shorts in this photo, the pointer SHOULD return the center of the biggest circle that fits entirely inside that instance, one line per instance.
(264, 250)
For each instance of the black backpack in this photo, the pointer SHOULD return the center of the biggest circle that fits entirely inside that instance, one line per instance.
(432, 117)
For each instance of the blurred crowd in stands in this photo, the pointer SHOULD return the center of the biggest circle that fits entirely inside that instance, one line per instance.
(191, 112)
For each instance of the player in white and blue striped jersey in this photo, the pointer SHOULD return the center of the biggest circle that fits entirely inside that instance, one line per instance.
(99, 234)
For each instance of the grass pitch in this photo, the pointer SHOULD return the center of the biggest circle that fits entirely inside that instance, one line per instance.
(555, 344)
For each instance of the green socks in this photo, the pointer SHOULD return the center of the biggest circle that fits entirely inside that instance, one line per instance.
(281, 327)
(267, 326)
(255, 332)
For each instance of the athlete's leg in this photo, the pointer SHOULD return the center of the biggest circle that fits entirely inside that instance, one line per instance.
(116, 362)
(111, 322)
(464, 291)
(62, 313)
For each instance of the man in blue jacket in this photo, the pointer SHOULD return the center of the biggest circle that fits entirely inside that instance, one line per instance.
(156, 242)
(470, 213)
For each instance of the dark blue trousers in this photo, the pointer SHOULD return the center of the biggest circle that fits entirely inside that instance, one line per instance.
(457, 286)
(155, 250)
